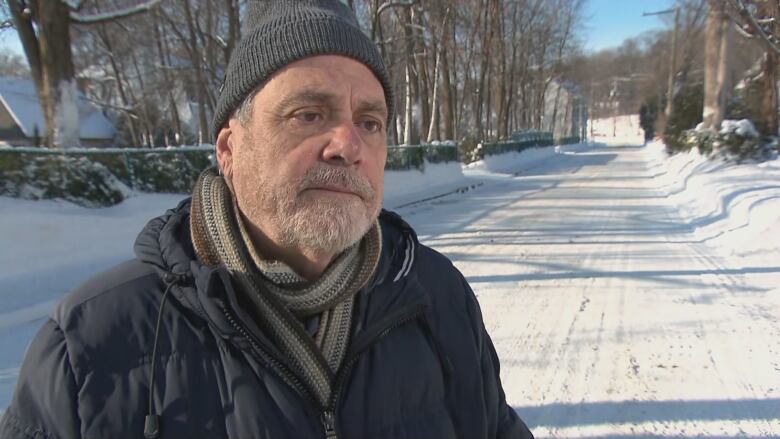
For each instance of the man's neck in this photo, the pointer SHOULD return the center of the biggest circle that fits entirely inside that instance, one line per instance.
(307, 263)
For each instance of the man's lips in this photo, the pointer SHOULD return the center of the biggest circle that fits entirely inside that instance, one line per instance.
(333, 188)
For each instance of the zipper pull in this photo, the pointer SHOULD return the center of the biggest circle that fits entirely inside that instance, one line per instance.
(329, 423)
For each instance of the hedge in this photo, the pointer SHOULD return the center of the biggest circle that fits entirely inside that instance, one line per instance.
(104, 176)
(404, 158)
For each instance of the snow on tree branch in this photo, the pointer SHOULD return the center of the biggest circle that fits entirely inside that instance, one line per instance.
(754, 23)
(74, 5)
(114, 15)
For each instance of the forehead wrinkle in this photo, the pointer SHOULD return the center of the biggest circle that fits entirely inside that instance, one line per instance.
(308, 96)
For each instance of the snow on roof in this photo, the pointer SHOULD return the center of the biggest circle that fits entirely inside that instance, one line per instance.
(19, 96)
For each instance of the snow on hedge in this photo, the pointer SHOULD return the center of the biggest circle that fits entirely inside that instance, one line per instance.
(512, 162)
(435, 179)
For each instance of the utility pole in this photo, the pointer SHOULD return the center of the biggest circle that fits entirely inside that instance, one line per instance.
(613, 96)
(672, 56)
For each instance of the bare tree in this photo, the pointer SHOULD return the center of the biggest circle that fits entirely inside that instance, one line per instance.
(760, 20)
(44, 30)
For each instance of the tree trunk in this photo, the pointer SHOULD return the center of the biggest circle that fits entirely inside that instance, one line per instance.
(769, 98)
(408, 109)
(446, 96)
(59, 94)
(716, 57)
(769, 102)
(234, 28)
(483, 70)
(203, 130)
(423, 78)
(411, 130)
(435, 98)
(24, 28)
(51, 63)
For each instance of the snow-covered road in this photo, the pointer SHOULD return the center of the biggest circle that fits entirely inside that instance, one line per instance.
(610, 319)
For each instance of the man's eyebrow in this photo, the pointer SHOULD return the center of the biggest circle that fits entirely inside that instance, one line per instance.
(372, 106)
(305, 97)
(309, 97)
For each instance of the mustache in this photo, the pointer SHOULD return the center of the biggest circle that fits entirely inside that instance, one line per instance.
(327, 176)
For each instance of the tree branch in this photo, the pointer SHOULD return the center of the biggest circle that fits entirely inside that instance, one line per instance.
(74, 5)
(114, 15)
(385, 6)
(751, 20)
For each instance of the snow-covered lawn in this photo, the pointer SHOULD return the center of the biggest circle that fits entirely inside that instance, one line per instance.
(628, 294)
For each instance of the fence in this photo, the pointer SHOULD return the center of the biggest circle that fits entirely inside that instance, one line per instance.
(523, 141)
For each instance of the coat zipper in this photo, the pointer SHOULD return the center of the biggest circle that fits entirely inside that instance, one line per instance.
(329, 414)
(275, 364)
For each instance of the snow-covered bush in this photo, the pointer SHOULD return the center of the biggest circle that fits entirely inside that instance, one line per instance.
(75, 179)
(100, 177)
(468, 149)
(737, 140)
(404, 158)
(699, 137)
(165, 172)
(400, 158)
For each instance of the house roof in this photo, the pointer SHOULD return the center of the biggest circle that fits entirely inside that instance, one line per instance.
(20, 98)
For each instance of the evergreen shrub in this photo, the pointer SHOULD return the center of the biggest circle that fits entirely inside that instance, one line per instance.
(686, 114)
(76, 179)
(95, 178)
(737, 141)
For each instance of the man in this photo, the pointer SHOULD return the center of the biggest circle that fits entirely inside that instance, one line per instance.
(279, 302)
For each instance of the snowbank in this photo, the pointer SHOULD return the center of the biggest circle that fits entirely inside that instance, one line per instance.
(513, 162)
(403, 187)
(733, 207)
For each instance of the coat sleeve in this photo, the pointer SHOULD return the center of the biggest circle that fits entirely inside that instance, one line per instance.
(44, 404)
(503, 420)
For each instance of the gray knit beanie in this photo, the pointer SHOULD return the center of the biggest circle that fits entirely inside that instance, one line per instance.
(278, 32)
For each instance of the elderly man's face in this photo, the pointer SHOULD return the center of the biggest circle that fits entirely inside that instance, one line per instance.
(307, 168)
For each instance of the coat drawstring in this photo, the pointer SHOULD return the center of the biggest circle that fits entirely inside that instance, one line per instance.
(152, 420)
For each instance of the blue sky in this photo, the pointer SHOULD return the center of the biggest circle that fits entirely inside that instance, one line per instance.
(10, 42)
(607, 22)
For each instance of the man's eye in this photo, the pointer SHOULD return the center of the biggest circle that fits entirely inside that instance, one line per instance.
(308, 116)
(371, 126)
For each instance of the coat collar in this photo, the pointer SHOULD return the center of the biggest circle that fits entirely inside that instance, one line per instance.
(165, 244)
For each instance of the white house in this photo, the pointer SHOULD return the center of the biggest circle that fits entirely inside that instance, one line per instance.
(22, 122)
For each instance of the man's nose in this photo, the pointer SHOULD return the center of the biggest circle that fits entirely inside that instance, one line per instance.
(345, 146)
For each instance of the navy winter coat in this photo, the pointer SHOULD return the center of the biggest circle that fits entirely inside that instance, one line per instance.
(420, 365)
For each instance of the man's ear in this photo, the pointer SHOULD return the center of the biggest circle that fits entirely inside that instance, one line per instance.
(225, 145)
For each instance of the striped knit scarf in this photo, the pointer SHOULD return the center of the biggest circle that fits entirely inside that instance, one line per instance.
(279, 297)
